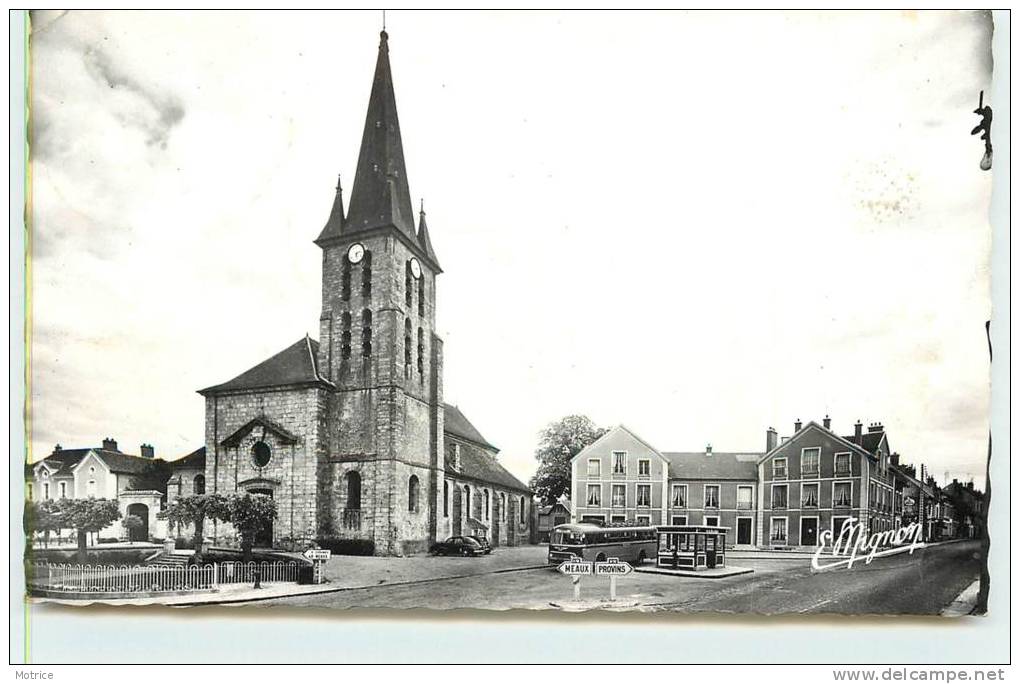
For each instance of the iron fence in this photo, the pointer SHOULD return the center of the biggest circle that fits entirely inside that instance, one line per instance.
(129, 579)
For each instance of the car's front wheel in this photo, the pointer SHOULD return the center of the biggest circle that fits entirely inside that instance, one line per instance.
(465, 552)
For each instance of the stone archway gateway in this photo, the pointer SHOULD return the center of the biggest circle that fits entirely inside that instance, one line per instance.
(140, 533)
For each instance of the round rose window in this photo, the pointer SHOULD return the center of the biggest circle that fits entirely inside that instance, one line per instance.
(260, 454)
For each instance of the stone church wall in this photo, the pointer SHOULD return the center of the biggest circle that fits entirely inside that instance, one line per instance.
(291, 474)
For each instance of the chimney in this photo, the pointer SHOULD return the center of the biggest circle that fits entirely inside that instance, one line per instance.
(708, 450)
(894, 459)
(857, 431)
(771, 439)
(57, 448)
(148, 451)
(875, 427)
(827, 422)
(797, 426)
(110, 444)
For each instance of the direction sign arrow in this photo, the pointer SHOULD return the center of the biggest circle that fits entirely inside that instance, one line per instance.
(613, 568)
(318, 554)
(576, 568)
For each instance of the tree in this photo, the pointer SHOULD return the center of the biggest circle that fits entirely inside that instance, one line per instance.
(87, 515)
(131, 523)
(195, 510)
(44, 517)
(250, 513)
(153, 477)
(560, 441)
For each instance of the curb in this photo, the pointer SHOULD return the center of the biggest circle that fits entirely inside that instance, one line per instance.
(965, 602)
(337, 590)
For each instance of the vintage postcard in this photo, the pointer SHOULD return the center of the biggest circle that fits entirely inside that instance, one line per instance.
(649, 312)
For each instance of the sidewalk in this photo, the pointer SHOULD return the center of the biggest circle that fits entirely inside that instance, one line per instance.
(965, 603)
(345, 573)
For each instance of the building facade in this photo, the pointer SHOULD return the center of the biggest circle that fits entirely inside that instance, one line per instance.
(619, 478)
(714, 488)
(101, 473)
(348, 432)
(816, 480)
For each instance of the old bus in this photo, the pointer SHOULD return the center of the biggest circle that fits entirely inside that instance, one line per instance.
(590, 542)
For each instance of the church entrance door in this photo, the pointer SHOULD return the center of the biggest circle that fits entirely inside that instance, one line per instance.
(264, 536)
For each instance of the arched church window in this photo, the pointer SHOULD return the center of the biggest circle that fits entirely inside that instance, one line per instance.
(353, 490)
(345, 335)
(407, 345)
(486, 504)
(421, 297)
(467, 500)
(200, 484)
(502, 507)
(345, 281)
(261, 454)
(366, 275)
(366, 333)
(446, 498)
(421, 353)
(523, 510)
(412, 494)
(408, 285)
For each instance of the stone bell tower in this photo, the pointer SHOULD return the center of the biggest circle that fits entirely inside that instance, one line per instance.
(382, 477)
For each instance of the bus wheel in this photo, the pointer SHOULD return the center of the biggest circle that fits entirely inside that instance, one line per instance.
(600, 558)
(641, 557)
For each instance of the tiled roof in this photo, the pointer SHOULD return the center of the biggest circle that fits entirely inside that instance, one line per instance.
(65, 461)
(478, 464)
(718, 465)
(196, 459)
(457, 424)
(295, 365)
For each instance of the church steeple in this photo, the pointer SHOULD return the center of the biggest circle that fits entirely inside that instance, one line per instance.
(381, 196)
(335, 223)
(424, 241)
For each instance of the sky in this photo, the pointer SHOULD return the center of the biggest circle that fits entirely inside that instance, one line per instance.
(698, 225)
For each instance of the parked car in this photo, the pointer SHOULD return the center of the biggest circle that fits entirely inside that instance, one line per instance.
(457, 546)
(483, 542)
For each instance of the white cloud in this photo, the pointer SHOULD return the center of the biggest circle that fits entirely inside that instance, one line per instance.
(697, 224)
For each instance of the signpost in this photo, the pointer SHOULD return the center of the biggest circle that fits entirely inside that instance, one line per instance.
(318, 558)
(611, 567)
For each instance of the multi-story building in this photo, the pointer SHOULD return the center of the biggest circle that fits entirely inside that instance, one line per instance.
(619, 478)
(714, 488)
(102, 473)
(622, 478)
(815, 480)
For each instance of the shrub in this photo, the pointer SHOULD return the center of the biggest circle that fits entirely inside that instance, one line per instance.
(348, 547)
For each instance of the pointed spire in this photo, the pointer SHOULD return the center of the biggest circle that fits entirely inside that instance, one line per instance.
(335, 224)
(423, 239)
(381, 196)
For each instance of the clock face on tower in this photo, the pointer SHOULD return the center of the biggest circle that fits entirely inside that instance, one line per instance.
(415, 268)
(355, 253)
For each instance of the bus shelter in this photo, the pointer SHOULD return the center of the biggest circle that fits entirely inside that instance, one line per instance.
(691, 547)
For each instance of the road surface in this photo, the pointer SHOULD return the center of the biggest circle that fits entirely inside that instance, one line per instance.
(921, 583)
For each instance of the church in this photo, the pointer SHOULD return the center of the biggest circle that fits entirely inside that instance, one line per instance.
(350, 433)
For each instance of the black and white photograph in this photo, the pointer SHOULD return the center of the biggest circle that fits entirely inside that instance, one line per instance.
(657, 313)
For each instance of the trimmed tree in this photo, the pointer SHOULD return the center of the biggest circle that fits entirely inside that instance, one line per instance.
(87, 515)
(41, 517)
(195, 510)
(559, 442)
(250, 513)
